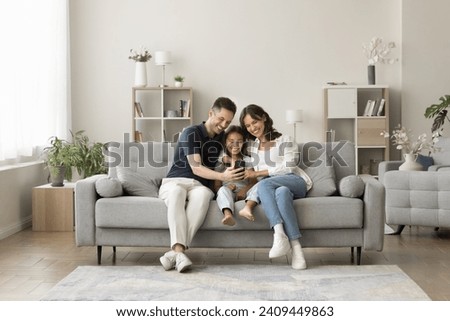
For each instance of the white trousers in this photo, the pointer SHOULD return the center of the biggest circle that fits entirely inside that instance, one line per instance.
(187, 202)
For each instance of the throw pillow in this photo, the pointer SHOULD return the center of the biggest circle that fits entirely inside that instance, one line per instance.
(108, 187)
(323, 178)
(136, 184)
(425, 161)
(351, 186)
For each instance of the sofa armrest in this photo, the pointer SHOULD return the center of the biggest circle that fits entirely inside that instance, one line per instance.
(374, 213)
(387, 166)
(85, 198)
(436, 168)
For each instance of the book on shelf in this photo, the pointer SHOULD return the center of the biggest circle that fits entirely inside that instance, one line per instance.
(138, 136)
(375, 108)
(366, 110)
(330, 135)
(138, 109)
(186, 108)
(371, 106)
(381, 107)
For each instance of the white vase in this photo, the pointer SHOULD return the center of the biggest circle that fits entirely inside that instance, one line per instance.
(410, 163)
(178, 84)
(140, 76)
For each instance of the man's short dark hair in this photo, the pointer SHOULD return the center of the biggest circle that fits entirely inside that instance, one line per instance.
(224, 102)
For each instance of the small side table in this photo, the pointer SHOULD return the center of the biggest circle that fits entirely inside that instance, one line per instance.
(53, 208)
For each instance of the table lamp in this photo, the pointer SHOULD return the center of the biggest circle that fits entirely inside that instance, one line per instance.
(294, 116)
(163, 58)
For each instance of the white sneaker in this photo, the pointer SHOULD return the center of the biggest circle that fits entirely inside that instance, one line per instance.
(182, 262)
(280, 247)
(168, 260)
(298, 259)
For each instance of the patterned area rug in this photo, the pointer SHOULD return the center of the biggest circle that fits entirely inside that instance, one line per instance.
(238, 282)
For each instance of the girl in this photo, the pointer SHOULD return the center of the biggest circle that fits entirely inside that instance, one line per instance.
(230, 191)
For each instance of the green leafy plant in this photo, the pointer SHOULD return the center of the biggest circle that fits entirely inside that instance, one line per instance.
(439, 112)
(90, 156)
(179, 78)
(60, 154)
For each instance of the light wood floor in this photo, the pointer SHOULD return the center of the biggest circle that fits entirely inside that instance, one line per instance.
(31, 263)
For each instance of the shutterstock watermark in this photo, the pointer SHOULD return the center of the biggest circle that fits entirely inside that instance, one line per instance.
(159, 155)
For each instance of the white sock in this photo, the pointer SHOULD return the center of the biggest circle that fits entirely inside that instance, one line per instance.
(279, 229)
(295, 243)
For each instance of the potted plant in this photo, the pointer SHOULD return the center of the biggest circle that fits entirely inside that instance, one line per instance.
(90, 157)
(439, 112)
(178, 81)
(60, 156)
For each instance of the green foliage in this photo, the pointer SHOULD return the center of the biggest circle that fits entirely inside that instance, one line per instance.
(179, 78)
(86, 157)
(90, 159)
(439, 112)
(61, 153)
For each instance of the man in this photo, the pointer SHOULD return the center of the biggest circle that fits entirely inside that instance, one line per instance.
(187, 189)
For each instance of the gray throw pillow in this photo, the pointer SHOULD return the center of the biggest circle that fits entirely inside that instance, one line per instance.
(108, 187)
(351, 186)
(137, 184)
(323, 178)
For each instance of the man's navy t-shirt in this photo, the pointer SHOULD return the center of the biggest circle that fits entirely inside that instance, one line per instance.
(195, 140)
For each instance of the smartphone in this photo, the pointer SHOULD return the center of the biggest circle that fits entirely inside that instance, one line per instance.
(239, 164)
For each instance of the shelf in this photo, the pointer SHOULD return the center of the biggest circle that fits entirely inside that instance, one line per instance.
(154, 103)
(360, 146)
(344, 107)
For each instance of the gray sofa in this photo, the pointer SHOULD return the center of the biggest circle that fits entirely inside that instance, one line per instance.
(419, 198)
(325, 221)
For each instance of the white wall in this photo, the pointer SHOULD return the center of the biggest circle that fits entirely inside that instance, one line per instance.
(277, 54)
(426, 61)
(15, 196)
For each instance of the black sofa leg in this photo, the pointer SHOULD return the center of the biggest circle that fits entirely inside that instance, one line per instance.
(99, 255)
(399, 230)
(358, 255)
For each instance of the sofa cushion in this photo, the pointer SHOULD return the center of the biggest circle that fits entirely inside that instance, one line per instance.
(108, 187)
(138, 184)
(322, 174)
(351, 186)
(425, 161)
(133, 212)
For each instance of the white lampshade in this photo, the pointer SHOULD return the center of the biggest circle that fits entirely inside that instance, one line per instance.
(294, 116)
(162, 58)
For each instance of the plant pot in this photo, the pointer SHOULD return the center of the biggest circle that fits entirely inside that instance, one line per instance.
(57, 174)
(178, 84)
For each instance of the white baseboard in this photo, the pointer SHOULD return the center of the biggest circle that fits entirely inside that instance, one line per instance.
(14, 228)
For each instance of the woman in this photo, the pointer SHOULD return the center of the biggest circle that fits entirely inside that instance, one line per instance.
(281, 181)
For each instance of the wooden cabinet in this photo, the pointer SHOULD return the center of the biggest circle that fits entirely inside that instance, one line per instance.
(349, 116)
(53, 208)
(164, 112)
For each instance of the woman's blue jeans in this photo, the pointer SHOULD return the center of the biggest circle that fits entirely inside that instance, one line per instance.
(277, 194)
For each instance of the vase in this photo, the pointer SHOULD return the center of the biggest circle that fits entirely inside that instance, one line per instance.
(371, 74)
(140, 76)
(178, 84)
(410, 163)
